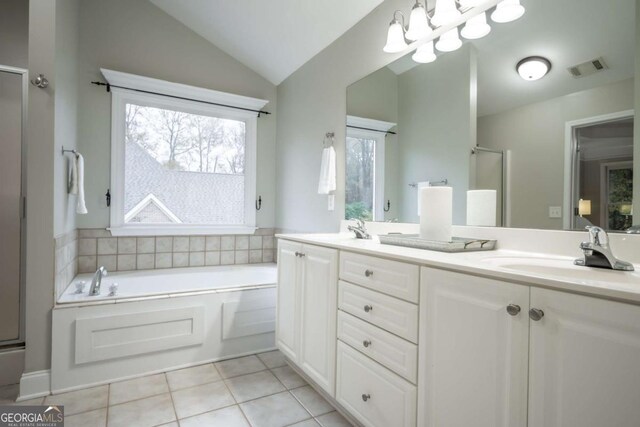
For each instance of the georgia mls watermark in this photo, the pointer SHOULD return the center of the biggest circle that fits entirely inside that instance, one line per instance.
(32, 416)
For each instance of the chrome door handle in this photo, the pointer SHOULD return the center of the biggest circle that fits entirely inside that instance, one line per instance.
(366, 343)
(513, 309)
(300, 254)
(368, 273)
(366, 397)
(536, 314)
(368, 308)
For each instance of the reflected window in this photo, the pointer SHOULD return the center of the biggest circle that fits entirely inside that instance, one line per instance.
(364, 175)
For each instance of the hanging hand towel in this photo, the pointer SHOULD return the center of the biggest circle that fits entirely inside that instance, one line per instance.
(81, 208)
(72, 186)
(327, 182)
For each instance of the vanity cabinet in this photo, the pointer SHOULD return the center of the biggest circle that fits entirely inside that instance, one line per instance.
(494, 353)
(306, 307)
(473, 352)
(584, 363)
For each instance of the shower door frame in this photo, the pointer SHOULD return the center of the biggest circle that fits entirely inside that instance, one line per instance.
(23, 131)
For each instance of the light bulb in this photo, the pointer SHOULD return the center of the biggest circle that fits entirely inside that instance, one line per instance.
(424, 54)
(476, 27)
(445, 13)
(449, 41)
(507, 11)
(533, 68)
(418, 25)
(395, 38)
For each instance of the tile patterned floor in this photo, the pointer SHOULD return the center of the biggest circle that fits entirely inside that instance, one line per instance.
(252, 391)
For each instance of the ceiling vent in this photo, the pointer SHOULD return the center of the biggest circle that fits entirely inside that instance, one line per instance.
(588, 68)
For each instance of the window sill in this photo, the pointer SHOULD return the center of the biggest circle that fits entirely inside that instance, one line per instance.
(160, 230)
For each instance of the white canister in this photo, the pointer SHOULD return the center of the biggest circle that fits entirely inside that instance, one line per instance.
(436, 213)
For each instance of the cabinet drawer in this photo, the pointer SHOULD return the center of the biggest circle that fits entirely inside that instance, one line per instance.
(387, 349)
(391, 314)
(372, 393)
(390, 277)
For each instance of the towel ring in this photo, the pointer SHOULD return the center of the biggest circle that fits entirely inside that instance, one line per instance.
(328, 136)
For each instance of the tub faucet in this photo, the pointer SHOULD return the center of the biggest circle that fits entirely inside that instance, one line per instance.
(97, 281)
(360, 229)
(597, 252)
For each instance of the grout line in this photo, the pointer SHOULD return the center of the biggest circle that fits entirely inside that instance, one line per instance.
(106, 418)
(173, 404)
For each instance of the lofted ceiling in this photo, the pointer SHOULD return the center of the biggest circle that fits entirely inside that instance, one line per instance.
(567, 32)
(274, 38)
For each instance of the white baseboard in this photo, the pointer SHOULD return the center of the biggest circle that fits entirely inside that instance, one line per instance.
(12, 363)
(35, 384)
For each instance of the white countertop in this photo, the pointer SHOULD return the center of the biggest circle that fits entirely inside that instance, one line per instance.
(618, 285)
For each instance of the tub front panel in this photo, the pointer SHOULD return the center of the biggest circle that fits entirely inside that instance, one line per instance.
(144, 347)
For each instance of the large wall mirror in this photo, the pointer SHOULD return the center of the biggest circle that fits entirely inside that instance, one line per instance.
(558, 151)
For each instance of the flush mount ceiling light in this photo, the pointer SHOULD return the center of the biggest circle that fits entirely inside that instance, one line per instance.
(424, 54)
(507, 11)
(422, 24)
(533, 67)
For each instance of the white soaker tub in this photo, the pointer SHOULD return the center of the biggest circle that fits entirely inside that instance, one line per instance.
(161, 320)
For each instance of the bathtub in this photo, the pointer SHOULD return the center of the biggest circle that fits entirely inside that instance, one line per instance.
(160, 320)
(172, 282)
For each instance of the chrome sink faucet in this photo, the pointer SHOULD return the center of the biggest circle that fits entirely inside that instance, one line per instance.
(97, 281)
(597, 252)
(360, 229)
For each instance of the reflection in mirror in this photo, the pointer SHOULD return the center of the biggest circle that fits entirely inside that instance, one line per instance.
(558, 151)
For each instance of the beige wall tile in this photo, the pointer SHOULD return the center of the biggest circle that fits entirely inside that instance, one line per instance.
(196, 259)
(108, 246)
(146, 245)
(164, 260)
(126, 262)
(196, 243)
(242, 242)
(255, 256)
(145, 261)
(181, 259)
(126, 245)
(87, 264)
(110, 262)
(164, 244)
(212, 243)
(227, 243)
(181, 244)
(227, 257)
(212, 258)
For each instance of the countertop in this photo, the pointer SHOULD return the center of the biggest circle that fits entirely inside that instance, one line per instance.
(617, 285)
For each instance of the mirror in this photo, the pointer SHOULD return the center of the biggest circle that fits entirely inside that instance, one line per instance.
(558, 151)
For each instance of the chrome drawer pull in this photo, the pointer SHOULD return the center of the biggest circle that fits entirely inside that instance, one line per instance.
(368, 273)
(366, 343)
(368, 308)
(513, 309)
(536, 314)
(366, 397)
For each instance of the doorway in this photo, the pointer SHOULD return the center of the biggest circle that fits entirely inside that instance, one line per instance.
(13, 90)
(602, 172)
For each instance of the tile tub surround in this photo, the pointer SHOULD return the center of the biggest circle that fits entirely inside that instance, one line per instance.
(98, 247)
(66, 260)
(246, 391)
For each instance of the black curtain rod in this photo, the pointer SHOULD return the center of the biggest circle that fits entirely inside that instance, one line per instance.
(109, 86)
(387, 132)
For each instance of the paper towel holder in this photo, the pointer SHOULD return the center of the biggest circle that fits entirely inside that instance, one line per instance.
(431, 183)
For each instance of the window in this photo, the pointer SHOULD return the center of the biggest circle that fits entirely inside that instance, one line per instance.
(364, 189)
(181, 167)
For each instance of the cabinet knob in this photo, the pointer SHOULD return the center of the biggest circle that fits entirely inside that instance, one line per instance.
(536, 314)
(297, 253)
(513, 309)
(366, 343)
(368, 273)
(368, 308)
(366, 397)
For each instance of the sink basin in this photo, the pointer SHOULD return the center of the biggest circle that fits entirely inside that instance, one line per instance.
(562, 267)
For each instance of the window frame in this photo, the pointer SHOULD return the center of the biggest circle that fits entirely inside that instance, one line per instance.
(122, 97)
(377, 131)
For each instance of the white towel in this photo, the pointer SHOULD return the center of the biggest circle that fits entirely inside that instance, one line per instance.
(419, 186)
(81, 208)
(72, 186)
(327, 182)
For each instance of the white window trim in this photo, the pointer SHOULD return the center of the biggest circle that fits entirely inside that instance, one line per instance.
(121, 97)
(378, 135)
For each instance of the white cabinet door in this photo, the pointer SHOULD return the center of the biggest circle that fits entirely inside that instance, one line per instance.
(288, 307)
(473, 353)
(317, 356)
(584, 362)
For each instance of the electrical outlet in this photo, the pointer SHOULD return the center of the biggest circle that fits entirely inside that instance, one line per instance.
(555, 212)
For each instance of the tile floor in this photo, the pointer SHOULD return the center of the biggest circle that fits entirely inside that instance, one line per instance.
(252, 391)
